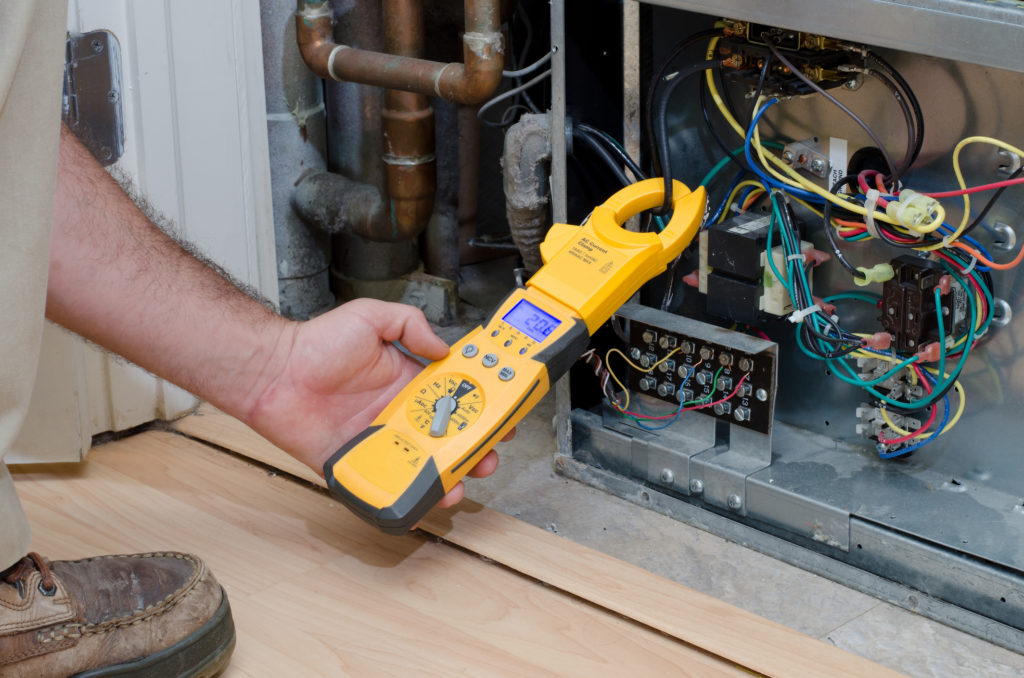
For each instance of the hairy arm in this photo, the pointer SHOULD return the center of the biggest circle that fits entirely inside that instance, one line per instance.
(308, 387)
(122, 283)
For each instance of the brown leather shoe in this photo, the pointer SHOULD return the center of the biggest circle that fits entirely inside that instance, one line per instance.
(150, 614)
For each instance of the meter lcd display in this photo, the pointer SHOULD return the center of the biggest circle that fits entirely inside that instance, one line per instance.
(527, 318)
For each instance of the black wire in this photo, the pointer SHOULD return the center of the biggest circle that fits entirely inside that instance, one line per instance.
(893, 174)
(614, 147)
(991, 202)
(910, 96)
(737, 157)
(680, 47)
(760, 87)
(661, 115)
(848, 180)
(908, 116)
(598, 148)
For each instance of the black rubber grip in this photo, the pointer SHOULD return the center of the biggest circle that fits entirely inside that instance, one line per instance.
(398, 518)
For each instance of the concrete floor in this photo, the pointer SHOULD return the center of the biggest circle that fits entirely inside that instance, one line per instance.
(526, 486)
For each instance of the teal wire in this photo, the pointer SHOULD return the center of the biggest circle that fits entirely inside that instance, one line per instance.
(942, 332)
(860, 296)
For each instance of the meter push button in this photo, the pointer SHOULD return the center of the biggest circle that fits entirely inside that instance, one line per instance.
(469, 350)
(490, 360)
(506, 374)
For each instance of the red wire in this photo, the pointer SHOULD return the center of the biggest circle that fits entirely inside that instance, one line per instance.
(976, 189)
(927, 424)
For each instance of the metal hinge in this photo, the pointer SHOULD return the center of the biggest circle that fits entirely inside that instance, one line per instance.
(92, 93)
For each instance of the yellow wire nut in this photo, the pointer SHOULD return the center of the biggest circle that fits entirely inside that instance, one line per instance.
(915, 211)
(877, 273)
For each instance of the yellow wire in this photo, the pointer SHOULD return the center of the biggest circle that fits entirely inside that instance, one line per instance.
(795, 178)
(615, 378)
(962, 185)
(950, 424)
(735, 192)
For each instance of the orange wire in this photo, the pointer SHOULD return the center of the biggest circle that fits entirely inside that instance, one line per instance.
(991, 264)
(754, 195)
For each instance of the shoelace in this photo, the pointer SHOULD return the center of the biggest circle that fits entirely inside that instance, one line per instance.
(17, 573)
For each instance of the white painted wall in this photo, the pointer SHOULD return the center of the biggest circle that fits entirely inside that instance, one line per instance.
(196, 147)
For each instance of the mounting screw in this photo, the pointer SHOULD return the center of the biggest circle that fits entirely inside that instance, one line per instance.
(667, 476)
(696, 486)
(818, 165)
(1006, 237)
(788, 156)
(97, 45)
(634, 353)
(112, 96)
(735, 502)
(761, 394)
(854, 83)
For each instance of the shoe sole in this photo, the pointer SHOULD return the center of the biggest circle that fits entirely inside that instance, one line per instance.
(203, 654)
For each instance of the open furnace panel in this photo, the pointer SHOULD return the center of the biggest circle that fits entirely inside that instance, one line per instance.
(872, 416)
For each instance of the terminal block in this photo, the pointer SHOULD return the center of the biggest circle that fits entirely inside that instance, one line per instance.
(708, 364)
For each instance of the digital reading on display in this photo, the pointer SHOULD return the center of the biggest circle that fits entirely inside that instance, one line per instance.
(527, 318)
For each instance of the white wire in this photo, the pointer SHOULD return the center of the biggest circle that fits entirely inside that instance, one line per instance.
(511, 93)
(529, 69)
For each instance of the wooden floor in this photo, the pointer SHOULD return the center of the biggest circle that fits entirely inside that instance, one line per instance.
(316, 592)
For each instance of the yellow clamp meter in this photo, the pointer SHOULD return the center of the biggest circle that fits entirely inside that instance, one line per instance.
(453, 412)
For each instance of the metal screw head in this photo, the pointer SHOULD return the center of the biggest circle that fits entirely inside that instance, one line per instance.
(97, 45)
(696, 486)
(788, 156)
(818, 165)
(634, 353)
(761, 394)
(112, 96)
(735, 502)
(854, 83)
(667, 476)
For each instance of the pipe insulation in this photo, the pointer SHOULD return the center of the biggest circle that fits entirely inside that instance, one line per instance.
(526, 171)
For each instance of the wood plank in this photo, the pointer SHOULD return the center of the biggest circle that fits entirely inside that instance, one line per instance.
(317, 592)
(695, 618)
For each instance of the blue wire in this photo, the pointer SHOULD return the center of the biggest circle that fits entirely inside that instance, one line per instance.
(799, 192)
(679, 409)
(721, 208)
(935, 434)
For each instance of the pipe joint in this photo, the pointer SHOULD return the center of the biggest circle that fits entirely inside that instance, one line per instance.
(471, 82)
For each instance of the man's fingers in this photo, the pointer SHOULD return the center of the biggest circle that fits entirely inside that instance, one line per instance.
(485, 466)
(405, 324)
(453, 497)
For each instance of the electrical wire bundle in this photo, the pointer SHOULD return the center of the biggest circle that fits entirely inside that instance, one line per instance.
(912, 394)
(900, 217)
(644, 419)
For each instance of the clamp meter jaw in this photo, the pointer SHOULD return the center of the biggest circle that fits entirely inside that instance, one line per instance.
(447, 418)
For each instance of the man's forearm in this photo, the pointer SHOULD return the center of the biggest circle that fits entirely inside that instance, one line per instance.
(119, 281)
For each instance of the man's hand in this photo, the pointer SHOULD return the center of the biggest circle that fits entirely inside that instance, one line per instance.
(118, 280)
(331, 376)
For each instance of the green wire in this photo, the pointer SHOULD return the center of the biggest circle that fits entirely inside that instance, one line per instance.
(725, 161)
(942, 332)
(860, 296)
(714, 387)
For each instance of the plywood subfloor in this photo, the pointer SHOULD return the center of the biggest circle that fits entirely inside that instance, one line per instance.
(687, 615)
(315, 591)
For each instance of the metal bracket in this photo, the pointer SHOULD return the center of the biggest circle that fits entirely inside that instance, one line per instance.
(92, 93)
(807, 155)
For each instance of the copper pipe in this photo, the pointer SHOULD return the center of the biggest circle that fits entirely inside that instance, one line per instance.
(408, 128)
(470, 82)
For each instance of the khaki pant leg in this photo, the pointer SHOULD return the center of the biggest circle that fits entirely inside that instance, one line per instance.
(31, 66)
